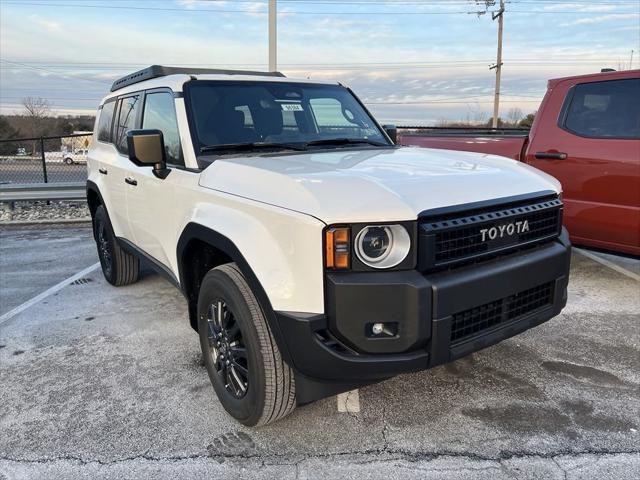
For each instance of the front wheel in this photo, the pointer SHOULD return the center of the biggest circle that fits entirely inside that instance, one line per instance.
(68, 161)
(253, 383)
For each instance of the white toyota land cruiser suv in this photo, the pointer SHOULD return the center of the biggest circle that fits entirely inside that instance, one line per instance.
(315, 255)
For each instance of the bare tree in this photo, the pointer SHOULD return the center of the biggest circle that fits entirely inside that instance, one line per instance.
(514, 116)
(36, 109)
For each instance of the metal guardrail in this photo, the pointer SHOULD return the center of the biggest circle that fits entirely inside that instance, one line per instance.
(42, 191)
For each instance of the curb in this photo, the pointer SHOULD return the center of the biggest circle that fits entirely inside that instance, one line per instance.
(29, 223)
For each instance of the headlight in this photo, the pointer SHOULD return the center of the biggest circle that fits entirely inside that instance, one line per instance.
(382, 246)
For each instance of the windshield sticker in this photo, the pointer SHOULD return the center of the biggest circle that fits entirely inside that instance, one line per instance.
(291, 107)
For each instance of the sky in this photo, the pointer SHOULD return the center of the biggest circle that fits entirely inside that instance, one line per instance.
(417, 62)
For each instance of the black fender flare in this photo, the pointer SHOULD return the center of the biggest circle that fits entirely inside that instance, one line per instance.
(92, 187)
(195, 231)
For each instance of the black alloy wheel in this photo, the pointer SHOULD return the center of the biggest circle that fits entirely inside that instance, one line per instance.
(227, 349)
(104, 248)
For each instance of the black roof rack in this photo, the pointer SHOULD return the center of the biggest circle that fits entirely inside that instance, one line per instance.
(155, 71)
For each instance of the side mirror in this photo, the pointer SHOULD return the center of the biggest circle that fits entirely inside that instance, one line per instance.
(146, 149)
(392, 131)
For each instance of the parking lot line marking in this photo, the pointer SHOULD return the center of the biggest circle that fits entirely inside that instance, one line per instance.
(609, 264)
(349, 402)
(50, 291)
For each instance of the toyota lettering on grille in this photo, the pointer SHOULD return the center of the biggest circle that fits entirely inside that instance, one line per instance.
(508, 229)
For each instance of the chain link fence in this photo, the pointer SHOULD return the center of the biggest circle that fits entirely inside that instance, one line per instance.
(44, 159)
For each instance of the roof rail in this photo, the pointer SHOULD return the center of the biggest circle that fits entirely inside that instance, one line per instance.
(155, 71)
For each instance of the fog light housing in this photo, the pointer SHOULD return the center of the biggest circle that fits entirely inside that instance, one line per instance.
(381, 330)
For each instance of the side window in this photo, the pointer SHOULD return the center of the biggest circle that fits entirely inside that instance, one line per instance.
(605, 109)
(328, 112)
(160, 114)
(332, 117)
(106, 119)
(127, 115)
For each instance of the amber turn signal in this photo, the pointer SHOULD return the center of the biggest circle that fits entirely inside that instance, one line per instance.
(337, 244)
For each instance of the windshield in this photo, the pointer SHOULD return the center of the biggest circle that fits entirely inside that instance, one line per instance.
(283, 115)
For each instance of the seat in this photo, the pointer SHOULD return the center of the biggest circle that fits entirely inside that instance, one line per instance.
(228, 126)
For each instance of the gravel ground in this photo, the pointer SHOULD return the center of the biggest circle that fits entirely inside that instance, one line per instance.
(34, 211)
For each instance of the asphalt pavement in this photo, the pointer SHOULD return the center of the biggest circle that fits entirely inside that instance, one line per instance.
(30, 171)
(104, 382)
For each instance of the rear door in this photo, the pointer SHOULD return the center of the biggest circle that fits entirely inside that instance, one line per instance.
(594, 151)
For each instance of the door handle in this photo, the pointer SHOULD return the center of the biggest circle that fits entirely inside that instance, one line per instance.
(551, 155)
(131, 181)
(103, 171)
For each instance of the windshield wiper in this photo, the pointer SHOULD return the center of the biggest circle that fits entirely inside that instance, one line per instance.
(346, 141)
(248, 146)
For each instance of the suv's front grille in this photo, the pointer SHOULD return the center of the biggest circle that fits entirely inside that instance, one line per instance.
(471, 235)
(478, 320)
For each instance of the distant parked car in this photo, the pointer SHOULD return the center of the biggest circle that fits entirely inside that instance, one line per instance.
(21, 152)
(77, 156)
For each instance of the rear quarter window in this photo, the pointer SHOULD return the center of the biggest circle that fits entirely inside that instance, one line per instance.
(127, 120)
(105, 121)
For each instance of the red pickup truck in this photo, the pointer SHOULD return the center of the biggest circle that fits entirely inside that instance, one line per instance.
(587, 135)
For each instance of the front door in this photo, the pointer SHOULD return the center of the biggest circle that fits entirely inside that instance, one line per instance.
(594, 151)
(151, 200)
(119, 166)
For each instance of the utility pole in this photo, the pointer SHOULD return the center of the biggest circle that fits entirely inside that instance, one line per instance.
(498, 66)
(273, 36)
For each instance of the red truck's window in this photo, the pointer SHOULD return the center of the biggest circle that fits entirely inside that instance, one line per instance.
(605, 109)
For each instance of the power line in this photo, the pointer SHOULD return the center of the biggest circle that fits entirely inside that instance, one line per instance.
(427, 64)
(387, 4)
(52, 72)
(421, 102)
(297, 12)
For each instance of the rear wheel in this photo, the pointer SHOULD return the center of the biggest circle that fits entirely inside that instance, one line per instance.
(252, 382)
(119, 267)
(68, 161)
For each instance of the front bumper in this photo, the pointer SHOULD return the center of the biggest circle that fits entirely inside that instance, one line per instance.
(425, 308)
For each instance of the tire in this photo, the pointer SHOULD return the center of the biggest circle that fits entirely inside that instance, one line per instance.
(118, 267)
(68, 161)
(243, 334)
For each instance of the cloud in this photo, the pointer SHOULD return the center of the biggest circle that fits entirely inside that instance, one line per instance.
(580, 7)
(46, 24)
(389, 60)
(602, 18)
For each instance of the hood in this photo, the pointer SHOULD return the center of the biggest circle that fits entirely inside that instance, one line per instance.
(374, 185)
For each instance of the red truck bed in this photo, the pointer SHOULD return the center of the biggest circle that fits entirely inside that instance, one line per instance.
(507, 143)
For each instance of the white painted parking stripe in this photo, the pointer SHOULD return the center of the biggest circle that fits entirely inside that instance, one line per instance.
(38, 298)
(349, 402)
(609, 264)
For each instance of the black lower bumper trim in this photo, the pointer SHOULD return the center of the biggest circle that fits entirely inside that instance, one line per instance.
(319, 354)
